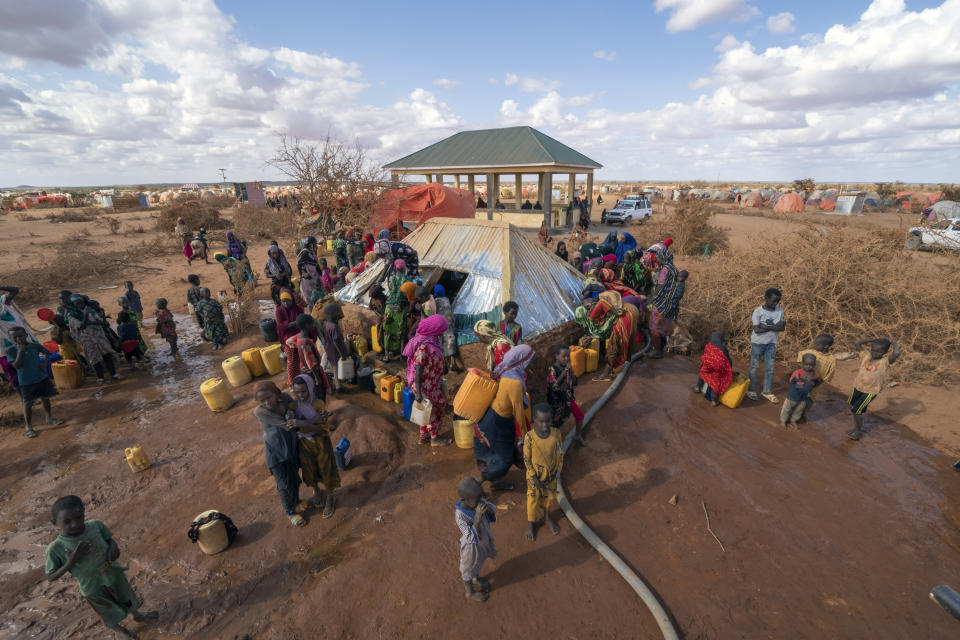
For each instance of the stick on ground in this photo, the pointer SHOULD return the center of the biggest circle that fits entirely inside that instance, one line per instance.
(704, 504)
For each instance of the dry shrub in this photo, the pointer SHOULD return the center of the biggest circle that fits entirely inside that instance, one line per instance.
(134, 229)
(195, 213)
(243, 311)
(78, 235)
(72, 266)
(82, 214)
(26, 217)
(688, 223)
(111, 224)
(265, 223)
(841, 282)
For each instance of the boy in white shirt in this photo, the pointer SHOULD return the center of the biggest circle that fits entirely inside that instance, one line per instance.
(768, 322)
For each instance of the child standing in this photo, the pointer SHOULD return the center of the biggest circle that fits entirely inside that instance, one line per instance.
(166, 326)
(768, 322)
(870, 379)
(135, 305)
(278, 422)
(129, 338)
(88, 551)
(543, 457)
(826, 363)
(802, 383)
(473, 516)
(331, 337)
(315, 450)
(305, 344)
(30, 360)
(509, 325)
(560, 392)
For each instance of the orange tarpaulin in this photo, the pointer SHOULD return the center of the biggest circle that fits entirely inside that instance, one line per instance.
(419, 203)
(789, 203)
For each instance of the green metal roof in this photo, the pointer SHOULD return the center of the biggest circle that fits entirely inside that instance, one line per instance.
(512, 146)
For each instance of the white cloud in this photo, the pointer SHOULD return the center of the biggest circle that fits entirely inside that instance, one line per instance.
(781, 23)
(446, 83)
(530, 85)
(605, 55)
(686, 15)
(314, 65)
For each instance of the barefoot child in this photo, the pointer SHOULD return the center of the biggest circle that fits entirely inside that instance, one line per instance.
(826, 363)
(166, 326)
(130, 338)
(315, 450)
(802, 383)
(543, 457)
(30, 360)
(134, 299)
(473, 516)
(509, 325)
(560, 393)
(870, 379)
(280, 445)
(88, 551)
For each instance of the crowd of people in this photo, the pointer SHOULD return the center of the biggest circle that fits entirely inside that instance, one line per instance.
(623, 286)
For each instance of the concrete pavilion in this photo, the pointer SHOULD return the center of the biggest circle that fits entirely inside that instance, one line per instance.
(493, 153)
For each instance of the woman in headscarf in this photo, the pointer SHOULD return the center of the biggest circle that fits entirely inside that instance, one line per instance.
(286, 316)
(318, 464)
(355, 250)
(627, 243)
(610, 282)
(634, 273)
(609, 244)
(278, 269)
(600, 331)
(496, 435)
(368, 242)
(449, 340)
(544, 234)
(280, 445)
(664, 304)
(589, 251)
(182, 229)
(584, 221)
(425, 370)
(89, 329)
(716, 369)
(327, 280)
(236, 248)
(497, 344)
(561, 251)
(307, 267)
(397, 301)
(623, 335)
(238, 273)
(214, 325)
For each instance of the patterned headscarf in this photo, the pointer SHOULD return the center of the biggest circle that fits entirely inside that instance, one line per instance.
(428, 334)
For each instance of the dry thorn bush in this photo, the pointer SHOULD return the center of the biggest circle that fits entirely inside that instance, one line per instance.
(243, 311)
(689, 224)
(265, 223)
(840, 282)
(195, 213)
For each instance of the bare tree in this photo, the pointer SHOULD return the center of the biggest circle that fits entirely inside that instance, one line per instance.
(336, 179)
(804, 185)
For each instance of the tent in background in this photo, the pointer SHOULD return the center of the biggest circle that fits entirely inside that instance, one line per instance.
(482, 264)
(789, 203)
(417, 204)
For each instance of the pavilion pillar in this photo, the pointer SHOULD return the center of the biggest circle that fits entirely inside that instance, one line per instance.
(439, 178)
(518, 178)
(570, 194)
(429, 178)
(471, 188)
(395, 178)
(491, 194)
(589, 192)
(456, 180)
(540, 188)
(547, 201)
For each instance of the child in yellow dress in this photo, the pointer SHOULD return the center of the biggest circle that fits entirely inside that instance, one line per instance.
(543, 457)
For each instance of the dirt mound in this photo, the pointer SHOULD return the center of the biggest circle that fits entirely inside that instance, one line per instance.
(196, 214)
(841, 282)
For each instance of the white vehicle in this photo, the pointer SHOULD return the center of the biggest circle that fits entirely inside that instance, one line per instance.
(627, 211)
(944, 233)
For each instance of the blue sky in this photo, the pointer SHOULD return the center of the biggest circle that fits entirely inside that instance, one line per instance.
(170, 90)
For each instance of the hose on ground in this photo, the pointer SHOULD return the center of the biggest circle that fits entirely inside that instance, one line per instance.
(646, 595)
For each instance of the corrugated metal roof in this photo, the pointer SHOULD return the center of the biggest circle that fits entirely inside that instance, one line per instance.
(502, 263)
(511, 146)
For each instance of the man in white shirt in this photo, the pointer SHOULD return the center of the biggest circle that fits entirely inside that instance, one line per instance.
(768, 322)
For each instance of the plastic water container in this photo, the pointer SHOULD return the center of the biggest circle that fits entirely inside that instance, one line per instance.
(254, 361)
(217, 394)
(475, 395)
(236, 371)
(271, 358)
(408, 398)
(365, 379)
(420, 412)
(463, 433)
(387, 384)
(268, 330)
(360, 345)
(578, 361)
(377, 378)
(375, 340)
(341, 454)
(329, 245)
(67, 374)
(398, 391)
(136, 458)
(593, 359)
(734, 394)
(345, 369)
(212, 537)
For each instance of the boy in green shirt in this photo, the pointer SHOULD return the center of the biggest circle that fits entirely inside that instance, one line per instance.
(88, 551)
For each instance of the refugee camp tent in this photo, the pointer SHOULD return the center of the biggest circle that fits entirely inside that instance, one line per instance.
(752, 199)
(849, 205)
(789, 203)
(828, 203)
(482, 264)
(411, 206)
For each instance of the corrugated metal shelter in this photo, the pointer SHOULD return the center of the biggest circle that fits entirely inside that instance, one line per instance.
(491, 262)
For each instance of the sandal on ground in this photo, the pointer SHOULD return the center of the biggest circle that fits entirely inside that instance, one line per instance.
(606, 378)
(440, 441)
(478, 596)
(423, 441)
(484, 584)
(297, 520)
(302, 506)
(854, 435)
(772, 398)
(328, 510)
(31, 433)
(752, 395)
(56, 421)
